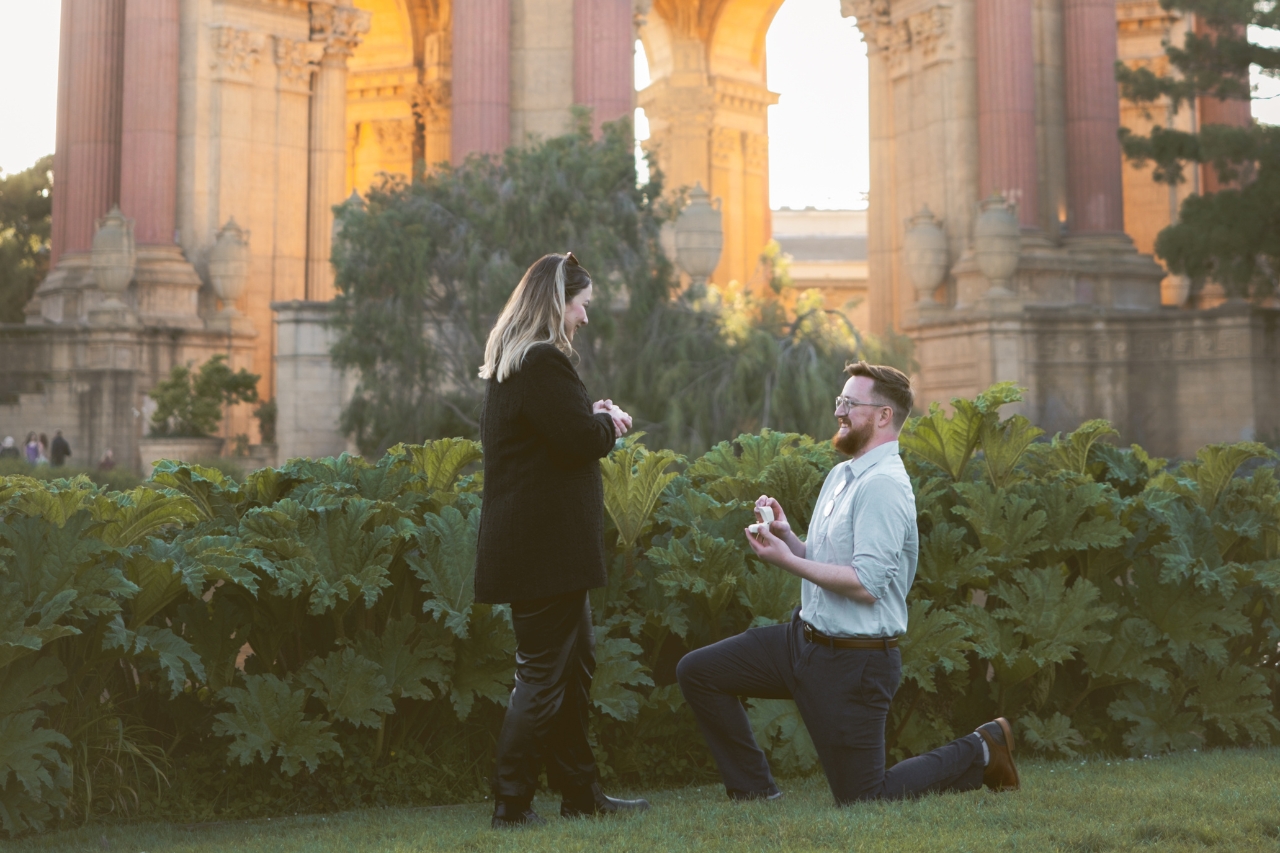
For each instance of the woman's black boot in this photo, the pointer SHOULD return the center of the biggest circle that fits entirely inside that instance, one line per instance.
(514, 814)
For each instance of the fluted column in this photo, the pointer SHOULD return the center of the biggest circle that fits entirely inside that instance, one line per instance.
(1095, 197)
(91, 168)
(338, 29)
(60, 149)
(1007, 105)
(149, 120)
(481, 78)
(1235, 112)
(603, 59)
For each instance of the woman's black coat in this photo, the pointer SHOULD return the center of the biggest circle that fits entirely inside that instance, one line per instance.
(542, 522)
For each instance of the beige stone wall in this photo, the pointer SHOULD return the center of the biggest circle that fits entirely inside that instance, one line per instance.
(1171, 381)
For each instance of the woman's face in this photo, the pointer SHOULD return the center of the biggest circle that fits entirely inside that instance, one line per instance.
(575, 313)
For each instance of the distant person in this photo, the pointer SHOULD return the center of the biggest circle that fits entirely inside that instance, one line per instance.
(60, 450)
(31, 448)
(541, 542)
(42, 451)
(108, 461)
(9, 449)
(838, 658)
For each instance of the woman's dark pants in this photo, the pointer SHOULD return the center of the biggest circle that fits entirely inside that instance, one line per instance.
(546, 721)
(843, 696)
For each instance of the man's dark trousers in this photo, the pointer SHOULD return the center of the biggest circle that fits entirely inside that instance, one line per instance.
(547, 717)
(843, 695)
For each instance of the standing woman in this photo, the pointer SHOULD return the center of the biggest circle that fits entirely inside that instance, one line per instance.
(541, 543)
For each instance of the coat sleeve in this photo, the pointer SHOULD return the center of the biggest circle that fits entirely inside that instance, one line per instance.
(555, 405)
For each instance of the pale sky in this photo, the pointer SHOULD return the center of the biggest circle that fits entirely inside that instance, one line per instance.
(817, 63)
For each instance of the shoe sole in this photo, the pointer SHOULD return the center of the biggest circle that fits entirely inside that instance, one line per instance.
(1008, 738)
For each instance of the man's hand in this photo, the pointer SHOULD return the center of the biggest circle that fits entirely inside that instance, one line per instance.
(769, 548)
(780, 527)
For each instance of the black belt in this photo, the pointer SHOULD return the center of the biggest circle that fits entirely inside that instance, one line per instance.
(813, 635)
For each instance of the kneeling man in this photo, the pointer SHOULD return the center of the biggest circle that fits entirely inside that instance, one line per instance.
(838, 658)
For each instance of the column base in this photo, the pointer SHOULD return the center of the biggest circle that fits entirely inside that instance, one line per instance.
(167, 288)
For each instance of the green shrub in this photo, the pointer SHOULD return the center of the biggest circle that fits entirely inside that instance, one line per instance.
(307, 639)
(190, 403)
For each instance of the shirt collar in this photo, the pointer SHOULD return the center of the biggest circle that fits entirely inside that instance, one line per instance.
(865, 462)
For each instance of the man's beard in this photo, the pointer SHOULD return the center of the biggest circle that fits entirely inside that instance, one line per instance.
(852, 442)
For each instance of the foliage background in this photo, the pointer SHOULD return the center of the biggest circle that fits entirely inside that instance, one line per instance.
(26, 209)
(1232, 236)
(308, 639)
(424, 268)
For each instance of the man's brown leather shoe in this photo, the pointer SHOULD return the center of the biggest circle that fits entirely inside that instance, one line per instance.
(1001, 773)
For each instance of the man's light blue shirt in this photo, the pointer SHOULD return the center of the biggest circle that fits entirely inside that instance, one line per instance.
(866, 518)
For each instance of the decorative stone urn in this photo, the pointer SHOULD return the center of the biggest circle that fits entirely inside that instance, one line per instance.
(152, 449)
(229, 271)
(114, 258)
(699, 239)
(997, 242)
(924, 250)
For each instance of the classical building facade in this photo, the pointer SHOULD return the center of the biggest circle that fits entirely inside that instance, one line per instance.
(226, 130)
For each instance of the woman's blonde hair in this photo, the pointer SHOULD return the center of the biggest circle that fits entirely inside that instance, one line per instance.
(534, 314)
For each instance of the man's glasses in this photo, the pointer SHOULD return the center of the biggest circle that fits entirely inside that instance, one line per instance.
(843, 402)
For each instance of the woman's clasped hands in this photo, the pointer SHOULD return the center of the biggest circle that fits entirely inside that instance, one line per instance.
(621, 420)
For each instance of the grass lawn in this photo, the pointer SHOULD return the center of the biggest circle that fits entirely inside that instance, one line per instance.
(1222, 800)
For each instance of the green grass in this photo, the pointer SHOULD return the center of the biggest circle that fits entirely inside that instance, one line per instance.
(1222, 800)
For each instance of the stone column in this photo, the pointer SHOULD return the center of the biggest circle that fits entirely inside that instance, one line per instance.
(338, 28)
(149, 120)
(60, 150)
(877, 31)
(1236, 112)
(91, 169)
(481, 78)
(1095, 198)
(1007, 104)
(603, 59)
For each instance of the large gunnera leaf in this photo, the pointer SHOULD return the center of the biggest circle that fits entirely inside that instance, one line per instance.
(351, 686)
(446, 565)
(268, 720)
(617, 668)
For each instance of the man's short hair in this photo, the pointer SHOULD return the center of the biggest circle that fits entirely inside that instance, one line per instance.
(890, 384)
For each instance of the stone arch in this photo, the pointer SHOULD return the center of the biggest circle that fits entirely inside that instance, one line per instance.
(707, 108)
(397, 94)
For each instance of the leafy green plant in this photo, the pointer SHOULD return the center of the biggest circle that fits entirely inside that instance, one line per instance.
(190, 403)
(306, 637)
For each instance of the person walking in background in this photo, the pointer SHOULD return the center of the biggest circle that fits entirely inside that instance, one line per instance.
(108, 460)
(60, 451)
(9, 449)
(541, 539)
(42, 451)
(838, 658)
(31, 448)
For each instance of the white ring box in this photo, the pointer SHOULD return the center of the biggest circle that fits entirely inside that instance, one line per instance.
(766, 516)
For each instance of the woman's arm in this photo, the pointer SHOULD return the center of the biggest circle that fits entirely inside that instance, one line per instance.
(560, 413)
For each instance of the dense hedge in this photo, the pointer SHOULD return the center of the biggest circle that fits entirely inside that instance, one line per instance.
(308, 639)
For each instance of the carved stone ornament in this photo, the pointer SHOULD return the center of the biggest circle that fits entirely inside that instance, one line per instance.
(873, 19)
(930, 33)
(338, 28)
(236, 53)
(431, 101)
(395, 138)
(296, 60)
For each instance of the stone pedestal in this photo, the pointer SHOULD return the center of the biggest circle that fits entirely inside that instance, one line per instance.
(311, 392)
(1172, 381)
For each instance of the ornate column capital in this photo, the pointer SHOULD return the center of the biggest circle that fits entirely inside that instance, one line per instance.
(296, 60)
(874, 19)
(931, 33)
(236, 53)
(338, 29)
